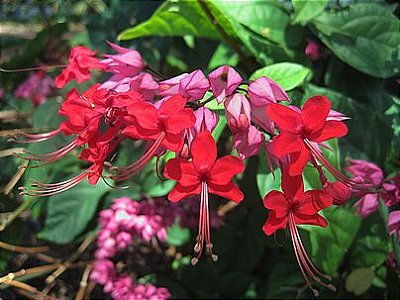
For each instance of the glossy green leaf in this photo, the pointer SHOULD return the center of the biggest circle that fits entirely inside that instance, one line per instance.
(288, 75)
(174, 18)
(262, 26)
(69, 213)
(330, 244)
(304, 11)
(364, 35)
(359, 281)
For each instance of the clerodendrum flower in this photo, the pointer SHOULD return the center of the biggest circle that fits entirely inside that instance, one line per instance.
(163, 126)
(294, 207)
(298, 131)
(203, 175)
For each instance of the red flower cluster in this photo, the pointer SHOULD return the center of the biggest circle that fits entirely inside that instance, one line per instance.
(171, 114)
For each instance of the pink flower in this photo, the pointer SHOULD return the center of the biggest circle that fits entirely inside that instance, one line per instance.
(224, 81)
(170, 86)
(149, 292)
(1, 93)
(366, 171)
(37, 87)
(247, 140)
(103, 271)
(394, 223)
(194, 85)
(126, 63)
(391, 191)
(263, 91)
(313, 50)
(367, 205)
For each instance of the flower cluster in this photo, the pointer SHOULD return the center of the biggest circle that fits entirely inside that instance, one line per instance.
(365, 171)
(124, 222)
(37, 87)
(171, 114)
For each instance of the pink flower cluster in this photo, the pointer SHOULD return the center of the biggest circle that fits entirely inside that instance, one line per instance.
(37, 87)
(120, 225)
(365, 171)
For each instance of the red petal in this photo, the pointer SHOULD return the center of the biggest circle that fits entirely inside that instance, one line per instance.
(332, 129)
(313, 201)
(180, 192)
(145, 114)
(204, 152)
(229, 191)
(277, 202)
(173, 142)
(181, 170)
(286, 143)
(171, 106)
(314, 113)
(137, 132)
(298, 161)
(310, 220)
(224, 169)
(181, 120)
(292, 186)
(284, 117)
(274, 223)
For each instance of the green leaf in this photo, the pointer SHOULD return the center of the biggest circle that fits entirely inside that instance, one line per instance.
(365, 36)
(177, 236)
(69, 213)
(329, 244)
(304, 11)
(174, 18)
(223, 55)
(360, 280)
(262, 26)
(288, 75)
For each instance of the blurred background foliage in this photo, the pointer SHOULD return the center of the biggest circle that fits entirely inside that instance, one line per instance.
(358, 70)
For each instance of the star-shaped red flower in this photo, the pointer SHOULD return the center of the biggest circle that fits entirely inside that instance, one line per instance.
(297, 129)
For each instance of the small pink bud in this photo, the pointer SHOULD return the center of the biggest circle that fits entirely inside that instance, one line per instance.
(194, 85)
(224, 81)
(263, 91)
(313, 50)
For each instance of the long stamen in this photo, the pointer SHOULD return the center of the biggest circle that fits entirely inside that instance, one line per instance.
(44, 68)
(48, 189)
(134, 168)
(304, 261)
(35, 137)
(299, 260)
(204, 236)
(49, 157)
(198, 247)
(335, 172)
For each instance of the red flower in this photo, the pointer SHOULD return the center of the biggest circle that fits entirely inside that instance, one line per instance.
(169, 120)
(299, 130)
(164, 126)
(81, 62)
(294, 203)
(292, 207)
(204, 174)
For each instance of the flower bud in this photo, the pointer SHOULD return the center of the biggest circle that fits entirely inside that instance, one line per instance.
(339, 192)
